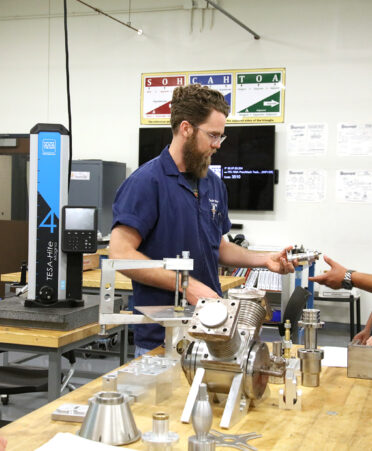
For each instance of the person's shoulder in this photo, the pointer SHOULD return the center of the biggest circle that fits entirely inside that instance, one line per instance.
(149, 170)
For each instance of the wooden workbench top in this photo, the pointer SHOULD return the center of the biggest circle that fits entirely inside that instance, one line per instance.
(335, 416)
(92, 279)
(46, 338)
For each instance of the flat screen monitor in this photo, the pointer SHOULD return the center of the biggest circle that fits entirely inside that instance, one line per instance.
(245, 162)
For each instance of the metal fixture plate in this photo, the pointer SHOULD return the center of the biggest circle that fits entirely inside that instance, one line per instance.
(223, 331)
(239, 441)
(161, 313)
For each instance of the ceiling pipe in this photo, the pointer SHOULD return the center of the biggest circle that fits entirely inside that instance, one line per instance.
(223, 11)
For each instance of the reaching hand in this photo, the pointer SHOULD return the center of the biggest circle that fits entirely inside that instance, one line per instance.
(278, 262)
(362, 336)
(332, 278)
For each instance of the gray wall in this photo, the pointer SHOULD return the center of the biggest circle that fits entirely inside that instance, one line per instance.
(325, 46)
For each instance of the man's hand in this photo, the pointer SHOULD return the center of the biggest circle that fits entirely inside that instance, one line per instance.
(278, 262)
(197, 290)
(363, 337)
(332, 278)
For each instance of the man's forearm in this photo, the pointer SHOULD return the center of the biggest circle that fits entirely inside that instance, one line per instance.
(163, 278)
(155, 277)
(362, 281)
(233, 255)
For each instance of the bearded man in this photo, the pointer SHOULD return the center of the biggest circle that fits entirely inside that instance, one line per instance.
(175, 203)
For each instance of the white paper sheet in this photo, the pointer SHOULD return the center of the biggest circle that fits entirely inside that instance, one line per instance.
(63, 441)
(305, 185)
(354, 138)
(334, 356)
(354, 185)
(307, 139)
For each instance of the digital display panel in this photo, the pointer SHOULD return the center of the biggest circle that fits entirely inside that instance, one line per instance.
(79, 218)
(245, 162)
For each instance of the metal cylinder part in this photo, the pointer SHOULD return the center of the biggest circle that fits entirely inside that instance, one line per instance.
(160, 438)
(251, 314)
(308, 256)
(277, 363)
(277, 348)
(310, 356)
(310, 366)
(160, 424)
(109, 382)
(196, 445)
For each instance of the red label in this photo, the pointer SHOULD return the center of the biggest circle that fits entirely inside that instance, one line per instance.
(165, 81)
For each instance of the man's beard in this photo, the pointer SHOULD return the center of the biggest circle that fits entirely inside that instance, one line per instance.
(196, 163)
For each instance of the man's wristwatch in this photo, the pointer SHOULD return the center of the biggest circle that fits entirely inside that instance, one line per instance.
(347, 283)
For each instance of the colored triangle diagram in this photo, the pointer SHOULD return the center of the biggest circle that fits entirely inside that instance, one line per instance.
(228, 98)
(264, 105)
(162, 109)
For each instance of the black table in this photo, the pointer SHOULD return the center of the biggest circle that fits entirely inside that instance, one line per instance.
(354, 302)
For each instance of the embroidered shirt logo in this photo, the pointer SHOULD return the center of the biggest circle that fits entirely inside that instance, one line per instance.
(214, 205)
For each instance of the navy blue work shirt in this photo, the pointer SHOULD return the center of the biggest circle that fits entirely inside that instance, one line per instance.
(159, 203)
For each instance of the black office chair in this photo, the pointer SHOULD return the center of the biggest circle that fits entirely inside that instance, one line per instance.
(16, 379)
(293, 312)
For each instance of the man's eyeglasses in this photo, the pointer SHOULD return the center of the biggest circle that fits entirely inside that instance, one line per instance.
(216, 139)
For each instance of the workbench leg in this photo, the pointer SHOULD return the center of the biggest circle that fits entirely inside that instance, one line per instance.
(123, 345)
(357, 301)
(54, 375)
(351, 304)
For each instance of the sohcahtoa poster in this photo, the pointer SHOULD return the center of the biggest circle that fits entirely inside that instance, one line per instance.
(255, 95)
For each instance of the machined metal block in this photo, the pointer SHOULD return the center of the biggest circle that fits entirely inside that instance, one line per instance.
(359, 361)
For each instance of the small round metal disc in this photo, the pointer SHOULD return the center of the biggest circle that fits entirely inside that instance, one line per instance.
(213, 314)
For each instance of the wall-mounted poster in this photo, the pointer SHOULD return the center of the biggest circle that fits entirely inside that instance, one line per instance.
(255, 95)
(157, 91)
(259, 96)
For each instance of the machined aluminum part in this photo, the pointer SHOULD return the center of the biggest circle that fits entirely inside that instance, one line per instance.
(308, 256)
(225, 349)
(310, 356)
(237, 441)
(254, 364)
(289, 396)
(110, 382)
(255, 380)
(230, 362)
(202, 415)
(160, 438)
(251, 294)
(277, 363)
(251, 314)
(214, 319)
(109, 420)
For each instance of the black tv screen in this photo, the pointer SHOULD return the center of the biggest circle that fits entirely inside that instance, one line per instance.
(245, 162)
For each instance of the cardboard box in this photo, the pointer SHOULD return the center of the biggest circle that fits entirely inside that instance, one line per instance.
(90, 261)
